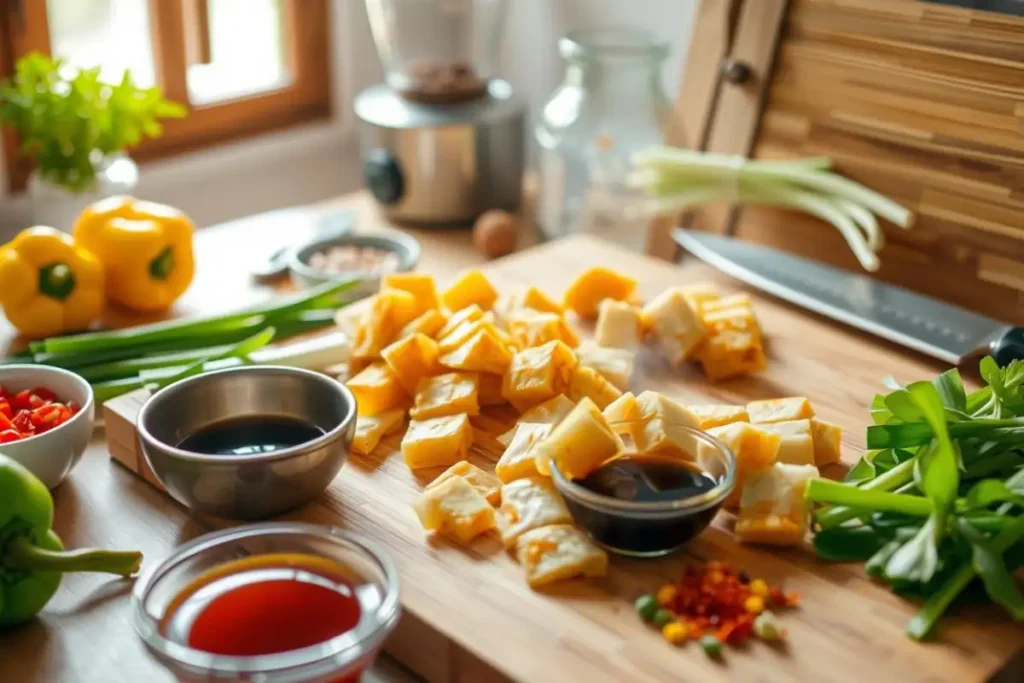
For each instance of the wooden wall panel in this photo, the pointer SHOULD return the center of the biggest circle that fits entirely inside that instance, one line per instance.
(924, 103)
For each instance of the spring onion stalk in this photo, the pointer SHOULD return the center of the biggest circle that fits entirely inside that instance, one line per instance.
(678, 179)
(901, 474)
(325, 296)
(826, 491)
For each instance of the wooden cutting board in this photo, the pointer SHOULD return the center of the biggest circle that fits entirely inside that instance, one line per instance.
(470, 617)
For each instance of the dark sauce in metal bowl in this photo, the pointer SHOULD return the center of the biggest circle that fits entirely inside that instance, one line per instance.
(250, 436)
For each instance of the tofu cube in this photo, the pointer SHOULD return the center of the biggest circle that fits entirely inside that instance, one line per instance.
(755, 449)
(467, 314)
(625, 418)
(370, 429)
(666, 427)
(677, 328)
(538, 301)
(780, 409)
(449, 394)
(773, 510)
(537, 329)
(437, 442)
(549, 412)
(579, 443)
(558, 552)
(725, 302)
(592, 286)
(378, 390)
(483, 352)
(718, 415)
(698, 294)
(618, 325)
(588, 383)
(734, 319)
(456, 509)
(615, 365)
(485, 482)
(517, 461)
(731, 354)
(797, 444)
(411, 359)
(461, 334)
(391, 310)
(827, 442)
(428, 323)
(472, 288)
(420, 285)
(539, 373)
(527, 504)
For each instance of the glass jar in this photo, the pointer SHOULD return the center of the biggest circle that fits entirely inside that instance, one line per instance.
(610, 104)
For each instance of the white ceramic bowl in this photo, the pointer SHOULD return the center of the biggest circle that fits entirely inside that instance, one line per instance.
(51, 455)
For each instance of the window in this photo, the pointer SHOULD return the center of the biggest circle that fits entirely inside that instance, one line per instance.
(241, 66)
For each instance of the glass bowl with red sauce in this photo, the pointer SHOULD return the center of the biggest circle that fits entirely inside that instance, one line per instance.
(649, 505)
(276, 602)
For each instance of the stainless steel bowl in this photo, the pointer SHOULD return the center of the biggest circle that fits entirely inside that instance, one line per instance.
(304, 275)
(248, 486)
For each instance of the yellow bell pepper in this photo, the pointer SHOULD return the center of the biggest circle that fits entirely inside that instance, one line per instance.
(48, 284)
(145, 248)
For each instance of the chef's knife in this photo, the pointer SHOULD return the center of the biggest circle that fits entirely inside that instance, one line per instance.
(918, 322)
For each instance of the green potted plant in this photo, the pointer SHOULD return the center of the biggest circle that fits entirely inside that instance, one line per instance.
(76, 129)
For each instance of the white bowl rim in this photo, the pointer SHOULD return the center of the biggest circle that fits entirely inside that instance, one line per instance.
(44, 370)
(405, 246)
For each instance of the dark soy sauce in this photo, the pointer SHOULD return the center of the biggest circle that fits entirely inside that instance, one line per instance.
(250, 436)
(645, 479)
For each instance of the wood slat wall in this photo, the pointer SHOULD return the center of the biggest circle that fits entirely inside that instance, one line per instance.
(926, 104)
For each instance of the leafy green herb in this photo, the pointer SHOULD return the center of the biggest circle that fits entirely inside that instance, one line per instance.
(70, 120)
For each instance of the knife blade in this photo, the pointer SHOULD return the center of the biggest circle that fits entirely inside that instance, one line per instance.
(918, 322)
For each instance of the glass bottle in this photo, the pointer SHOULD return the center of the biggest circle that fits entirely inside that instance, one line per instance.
(610, 104)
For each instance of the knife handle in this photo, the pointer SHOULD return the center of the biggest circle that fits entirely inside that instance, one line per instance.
(1009, 347)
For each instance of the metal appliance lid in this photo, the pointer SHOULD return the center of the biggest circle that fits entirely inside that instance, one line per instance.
(382, 106)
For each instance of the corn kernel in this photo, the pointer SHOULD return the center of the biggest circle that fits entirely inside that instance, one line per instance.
(759, 588)
(754, 604)
(675, 632)
(666, 594)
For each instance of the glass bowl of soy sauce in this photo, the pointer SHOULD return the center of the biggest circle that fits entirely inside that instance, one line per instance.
(650, 504)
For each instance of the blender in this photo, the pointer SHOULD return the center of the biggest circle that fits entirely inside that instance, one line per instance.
(442, 139)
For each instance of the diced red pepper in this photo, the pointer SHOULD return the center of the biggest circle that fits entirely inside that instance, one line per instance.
(20, 401)
(9, 435)
(5, 408)
(23, 422)
(3, 392)
(45, 394)
(5, 423)
(73, 407)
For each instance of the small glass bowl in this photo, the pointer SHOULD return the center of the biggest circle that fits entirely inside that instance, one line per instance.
(340, 659)
(653, 529)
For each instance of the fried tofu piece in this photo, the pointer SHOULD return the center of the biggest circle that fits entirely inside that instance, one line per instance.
(797, 444)
(827, 441)
(467, 314)
(489, 385)
(539, 373)
(483, 352)
(731, 354)
(378, 390)
(437, 442)
(456, 509)
(558, 552)
(678, 330)
(618, 325)
(588, 383)
(472, 288)
(755, 449)
(667, 427)
(449, 394)
(429, 323)
(723, 303)
(698, 294)
(370, 429)
(391, 310)
(592, 286)
(780, 409)
(773, 510)
(485, 482)
(579, 443)
(537, 329)
(533, 298)
(718, 415)
(527, 504)
(549, 412)
(517, 461)
(420, 285)
(626, 419)
(411, 359)
(615, 365)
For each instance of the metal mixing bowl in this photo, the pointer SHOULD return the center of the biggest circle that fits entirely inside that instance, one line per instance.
(248, 486)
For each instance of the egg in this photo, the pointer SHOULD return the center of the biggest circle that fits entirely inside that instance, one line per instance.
(495, 233)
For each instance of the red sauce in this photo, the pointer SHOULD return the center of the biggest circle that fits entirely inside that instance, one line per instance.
(265, 605)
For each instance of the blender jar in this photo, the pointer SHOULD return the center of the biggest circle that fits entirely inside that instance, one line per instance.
(437, 51)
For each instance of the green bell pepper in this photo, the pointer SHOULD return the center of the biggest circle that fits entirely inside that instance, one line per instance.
(32, 558)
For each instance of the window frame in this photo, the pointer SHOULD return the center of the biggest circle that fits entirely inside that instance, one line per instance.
(307, 97)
